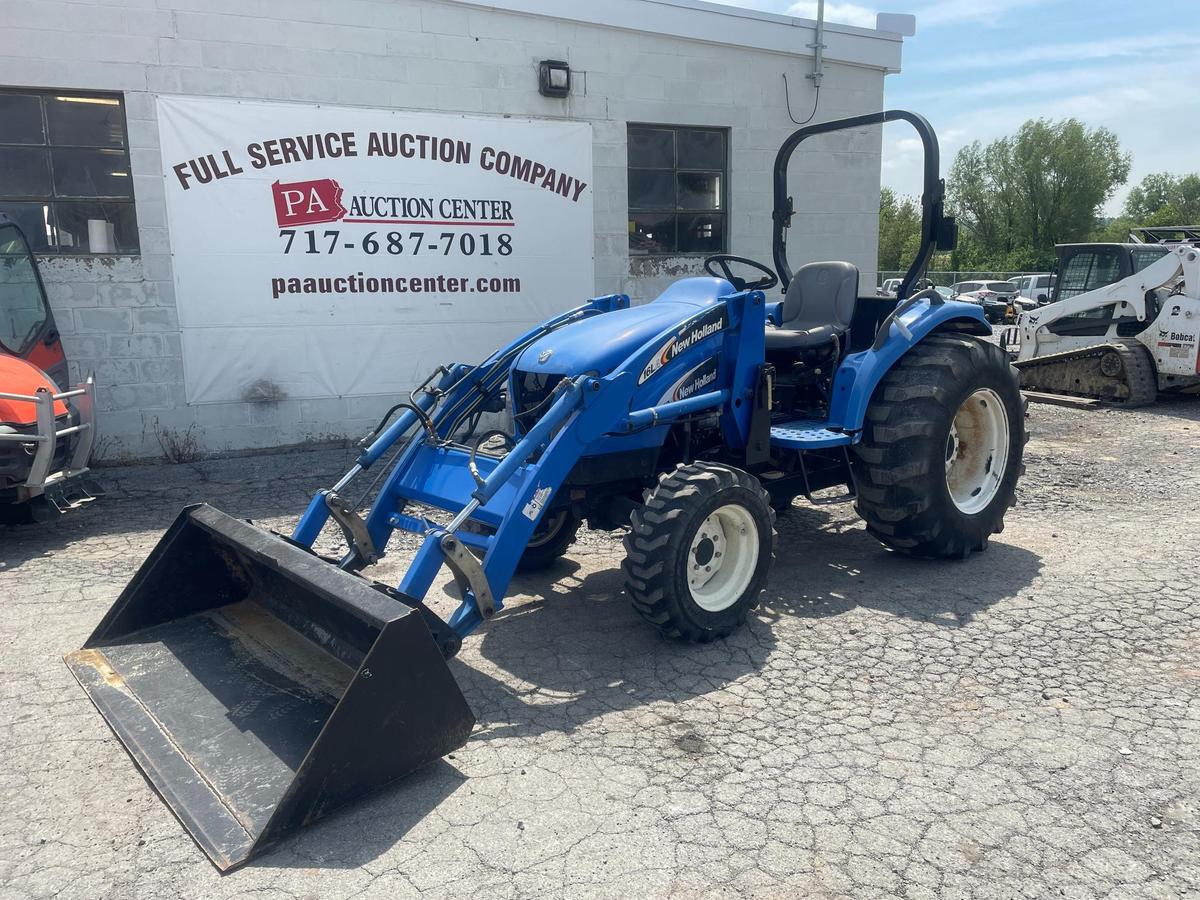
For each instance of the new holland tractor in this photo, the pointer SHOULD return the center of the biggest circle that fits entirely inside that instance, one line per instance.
(257, 684)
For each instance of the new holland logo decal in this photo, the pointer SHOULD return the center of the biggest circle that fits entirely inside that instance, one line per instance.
(712, 322)
(693, 383)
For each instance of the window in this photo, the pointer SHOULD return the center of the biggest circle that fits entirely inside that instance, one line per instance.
(1144, 256)
(22, 307)
(65, 159)
(677, 190)
(1088, 270)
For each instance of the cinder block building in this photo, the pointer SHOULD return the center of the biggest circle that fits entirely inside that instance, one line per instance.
(131, 131)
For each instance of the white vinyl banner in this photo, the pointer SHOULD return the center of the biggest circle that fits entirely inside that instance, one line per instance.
(325, 251)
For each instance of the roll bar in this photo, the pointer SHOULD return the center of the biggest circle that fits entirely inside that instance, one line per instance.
(938, 231)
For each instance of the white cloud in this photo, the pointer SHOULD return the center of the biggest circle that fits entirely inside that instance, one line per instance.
(930, 14)
(1079, 51)
(1140, 114)
(1047, 87)
(843, 13)
(978, 12)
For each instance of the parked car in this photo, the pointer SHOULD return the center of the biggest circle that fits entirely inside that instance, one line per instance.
(1033, 290)
(890, 287)
(994, 296)
(946, 292)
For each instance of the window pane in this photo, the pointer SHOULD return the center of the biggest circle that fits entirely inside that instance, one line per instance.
(651, 148)
(21, 120)
(1105, 270)
(701, 234)
(91, 173)
(26, 172)
(22, 311)
(651, 233)
(85, 121)
(33, 220)
(96, 228)
(676, 189)
(699, 190)
(1143, 258)
(651, 190)
(1087, 271)
(701, 149)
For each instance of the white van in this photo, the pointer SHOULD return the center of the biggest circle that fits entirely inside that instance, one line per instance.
(1033, 290)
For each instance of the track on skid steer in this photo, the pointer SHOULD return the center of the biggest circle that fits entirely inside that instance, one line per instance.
(257, 686)
(1118, 372)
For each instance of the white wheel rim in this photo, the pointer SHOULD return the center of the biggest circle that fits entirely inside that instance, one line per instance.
(722, 558)
(977, 451)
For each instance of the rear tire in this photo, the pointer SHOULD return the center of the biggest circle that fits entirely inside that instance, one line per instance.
(942, 448)
(699, 551)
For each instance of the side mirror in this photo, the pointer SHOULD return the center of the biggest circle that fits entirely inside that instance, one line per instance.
(946, 233)
(1042, 298)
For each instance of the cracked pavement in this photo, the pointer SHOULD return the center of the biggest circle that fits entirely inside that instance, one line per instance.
(1025, 723)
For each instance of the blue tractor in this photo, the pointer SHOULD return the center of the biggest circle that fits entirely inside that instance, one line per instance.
(258, 684)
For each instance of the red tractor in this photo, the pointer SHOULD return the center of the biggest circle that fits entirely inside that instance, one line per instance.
(46, 433)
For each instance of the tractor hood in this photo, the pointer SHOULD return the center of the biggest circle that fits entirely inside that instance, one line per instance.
(601, 343)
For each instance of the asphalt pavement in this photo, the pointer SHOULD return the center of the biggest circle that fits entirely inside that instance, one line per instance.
(1025, 723)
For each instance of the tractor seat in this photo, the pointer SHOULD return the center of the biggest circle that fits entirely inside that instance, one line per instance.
(818, 307)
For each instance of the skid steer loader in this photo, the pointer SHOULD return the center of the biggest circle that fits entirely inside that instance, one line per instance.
(258, 685)
(1123, 324)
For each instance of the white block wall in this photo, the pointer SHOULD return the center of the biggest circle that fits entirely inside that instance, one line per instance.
(118, 315)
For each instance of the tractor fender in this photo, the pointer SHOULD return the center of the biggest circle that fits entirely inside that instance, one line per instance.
(860, 373)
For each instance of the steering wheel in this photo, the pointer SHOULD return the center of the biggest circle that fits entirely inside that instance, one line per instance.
(722, 260)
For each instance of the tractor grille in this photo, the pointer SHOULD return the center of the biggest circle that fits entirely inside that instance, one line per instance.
(530, 392)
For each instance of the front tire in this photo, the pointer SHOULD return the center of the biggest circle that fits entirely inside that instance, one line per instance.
(942, 448)
(699, 550)
(551, 539)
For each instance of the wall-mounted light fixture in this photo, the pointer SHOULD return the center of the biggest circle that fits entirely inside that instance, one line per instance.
(554, 78)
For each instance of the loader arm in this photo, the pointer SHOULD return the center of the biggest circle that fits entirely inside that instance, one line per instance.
(508, 495)
(1128, 295)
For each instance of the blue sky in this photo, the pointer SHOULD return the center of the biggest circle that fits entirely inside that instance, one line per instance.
(979, 68)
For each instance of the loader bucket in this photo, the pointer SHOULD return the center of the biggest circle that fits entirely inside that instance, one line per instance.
(257, 686)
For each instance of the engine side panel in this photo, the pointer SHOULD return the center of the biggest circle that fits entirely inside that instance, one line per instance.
(1174, 337)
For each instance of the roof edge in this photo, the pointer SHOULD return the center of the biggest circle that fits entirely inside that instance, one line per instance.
(716, 23)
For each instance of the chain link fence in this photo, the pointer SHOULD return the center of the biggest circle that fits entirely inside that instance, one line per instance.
(948, 278)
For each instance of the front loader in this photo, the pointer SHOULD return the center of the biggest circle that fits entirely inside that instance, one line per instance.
(257, 684)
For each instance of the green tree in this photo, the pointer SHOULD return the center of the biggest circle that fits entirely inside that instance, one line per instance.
(899, 230)
(1018, 196)
(1165, 199)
